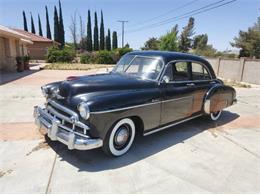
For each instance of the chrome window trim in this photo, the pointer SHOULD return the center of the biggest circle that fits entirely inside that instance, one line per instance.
(185, 81)
(137, 106)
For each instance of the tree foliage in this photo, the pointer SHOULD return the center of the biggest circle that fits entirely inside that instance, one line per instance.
(200, 46)
(40, 25)
(25, 27)
(73, 29)
(56, 25)
(152, 44)
(61, 27)
(114, 40)
(32, 25)
(249, 41)
(108, 41)
(89, 33)
(207, 50)
(48, 29)
(200, 41)
(186, 36)
(102, 33)
(169, 41)
(96, 42)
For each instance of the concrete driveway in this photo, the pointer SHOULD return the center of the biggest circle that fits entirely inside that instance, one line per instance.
(196, 157)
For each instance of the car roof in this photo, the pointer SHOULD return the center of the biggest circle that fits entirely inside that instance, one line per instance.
(168, 56)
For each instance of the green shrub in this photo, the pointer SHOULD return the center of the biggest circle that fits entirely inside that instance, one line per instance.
(60, 55)
(87, 58)
(123, 51)
(104, 57)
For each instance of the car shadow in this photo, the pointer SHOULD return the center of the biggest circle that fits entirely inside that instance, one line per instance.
(143, 147)
(6, 77)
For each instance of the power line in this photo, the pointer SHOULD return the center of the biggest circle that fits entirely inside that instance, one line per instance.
(123, 30)
(164, 14)
(185, 15)
(181, 15)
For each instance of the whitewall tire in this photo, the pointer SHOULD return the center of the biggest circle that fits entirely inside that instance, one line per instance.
(120, 138)
(215, 116)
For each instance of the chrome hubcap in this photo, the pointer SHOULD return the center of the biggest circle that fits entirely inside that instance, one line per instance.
(121, 136)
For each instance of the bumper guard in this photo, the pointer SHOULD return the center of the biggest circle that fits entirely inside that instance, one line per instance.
(51, 126)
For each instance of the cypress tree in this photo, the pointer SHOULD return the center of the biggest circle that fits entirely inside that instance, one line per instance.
(114, 40)
(89, 33)
(48, 29)
(61, 27)
(185, 38)
(96, 42)
(32, 25)
(56, 25)
(40, 25)
(102, 34)
(108, 41)
(25, 27)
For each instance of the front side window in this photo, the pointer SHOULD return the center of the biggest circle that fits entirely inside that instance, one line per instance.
(199, 72)
(178, 71)
(144, 67)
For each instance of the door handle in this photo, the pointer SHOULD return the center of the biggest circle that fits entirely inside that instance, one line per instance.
(190, 84)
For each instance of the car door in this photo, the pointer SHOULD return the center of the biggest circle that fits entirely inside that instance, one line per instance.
(202, 82)
(177, 92)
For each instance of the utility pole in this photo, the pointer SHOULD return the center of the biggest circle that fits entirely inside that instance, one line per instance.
(123, 30)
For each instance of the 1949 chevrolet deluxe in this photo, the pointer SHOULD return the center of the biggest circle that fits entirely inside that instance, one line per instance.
(146, 91)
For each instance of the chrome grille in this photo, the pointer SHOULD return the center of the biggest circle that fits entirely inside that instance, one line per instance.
(69, 119)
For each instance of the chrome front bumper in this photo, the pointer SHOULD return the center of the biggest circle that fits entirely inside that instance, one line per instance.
(54, 129)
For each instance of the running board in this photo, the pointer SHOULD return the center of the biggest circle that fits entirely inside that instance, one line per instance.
(171, 125)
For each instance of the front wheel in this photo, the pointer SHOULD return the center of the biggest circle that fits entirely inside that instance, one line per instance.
(215, 115)
(120, 138)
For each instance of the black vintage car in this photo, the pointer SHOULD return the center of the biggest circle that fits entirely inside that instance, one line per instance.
(146, 92)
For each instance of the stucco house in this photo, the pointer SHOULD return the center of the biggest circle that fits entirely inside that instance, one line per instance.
(12, 44)
(38, 50)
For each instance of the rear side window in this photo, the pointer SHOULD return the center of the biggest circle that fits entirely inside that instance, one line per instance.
(180, 71)
(199, 72)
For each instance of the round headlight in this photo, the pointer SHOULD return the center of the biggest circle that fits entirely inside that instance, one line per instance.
(83, 110)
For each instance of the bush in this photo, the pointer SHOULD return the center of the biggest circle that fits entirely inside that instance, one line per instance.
(60, 55)
(123, 51)
(104, 57)
(87, 58)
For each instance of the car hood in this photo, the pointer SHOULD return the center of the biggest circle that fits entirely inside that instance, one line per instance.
(102, 82)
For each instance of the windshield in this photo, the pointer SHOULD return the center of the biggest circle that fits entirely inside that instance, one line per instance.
(145, 67)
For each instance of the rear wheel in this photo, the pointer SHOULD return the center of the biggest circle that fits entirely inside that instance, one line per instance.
(215, 115)
(120, 138)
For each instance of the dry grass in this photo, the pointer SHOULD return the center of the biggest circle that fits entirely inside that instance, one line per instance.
(71, 66)
(236, 84)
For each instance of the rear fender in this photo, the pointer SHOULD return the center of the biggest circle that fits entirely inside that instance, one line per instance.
(219, 97)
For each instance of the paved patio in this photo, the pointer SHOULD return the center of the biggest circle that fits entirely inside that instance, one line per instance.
(195, 157)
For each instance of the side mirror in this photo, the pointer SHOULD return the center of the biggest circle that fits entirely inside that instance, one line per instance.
(166, 79)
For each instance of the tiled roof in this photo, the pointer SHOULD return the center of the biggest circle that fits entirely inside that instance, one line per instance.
(34, 37)
(11, 32)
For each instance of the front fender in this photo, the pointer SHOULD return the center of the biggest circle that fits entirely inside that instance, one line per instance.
(107, 109)
(219, 97)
